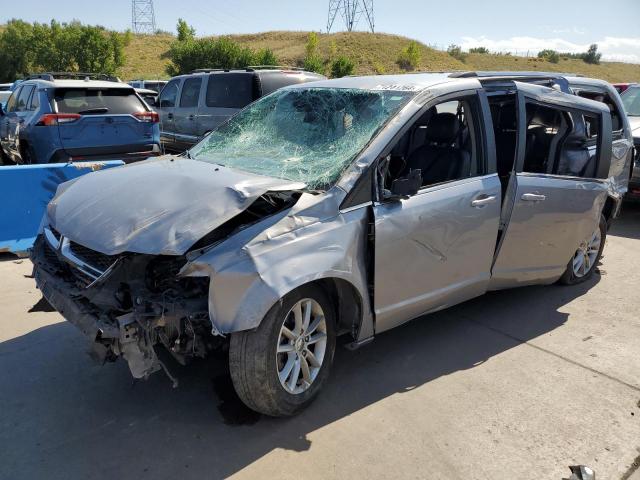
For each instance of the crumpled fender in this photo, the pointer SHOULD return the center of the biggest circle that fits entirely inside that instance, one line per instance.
(253, 269)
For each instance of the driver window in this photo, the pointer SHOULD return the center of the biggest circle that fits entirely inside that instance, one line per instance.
(169, 94)
(442, 144)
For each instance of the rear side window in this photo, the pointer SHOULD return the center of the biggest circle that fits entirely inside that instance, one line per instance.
(35, 101)
(114, 101)
(23, 98)
(561, 142)
(616, 116)
(229, 90)
(190, 92)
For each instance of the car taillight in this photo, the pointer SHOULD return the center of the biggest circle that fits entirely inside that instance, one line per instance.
(150, 117)
(53, 119)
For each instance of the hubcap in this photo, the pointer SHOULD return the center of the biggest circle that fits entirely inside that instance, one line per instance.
(585, 257)
(301, 346)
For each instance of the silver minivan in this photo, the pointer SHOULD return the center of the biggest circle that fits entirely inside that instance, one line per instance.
(190, 106)
(340, 208)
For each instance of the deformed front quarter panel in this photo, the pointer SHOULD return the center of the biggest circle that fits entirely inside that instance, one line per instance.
(251, 271)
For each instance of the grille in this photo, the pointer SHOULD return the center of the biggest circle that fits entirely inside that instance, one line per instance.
(95, 259)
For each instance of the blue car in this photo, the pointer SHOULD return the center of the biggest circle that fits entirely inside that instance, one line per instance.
(49, 119)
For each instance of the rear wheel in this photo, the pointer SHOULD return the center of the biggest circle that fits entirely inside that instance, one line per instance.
(4, 158)
(280, 367)
(26, 154)
(584, 261)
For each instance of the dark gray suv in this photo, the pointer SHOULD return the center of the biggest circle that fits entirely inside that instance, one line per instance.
(192, 105)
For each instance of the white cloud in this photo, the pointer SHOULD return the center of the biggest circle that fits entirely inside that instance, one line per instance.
(622, 49)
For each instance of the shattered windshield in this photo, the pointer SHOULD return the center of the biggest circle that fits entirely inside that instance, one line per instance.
(308, 135)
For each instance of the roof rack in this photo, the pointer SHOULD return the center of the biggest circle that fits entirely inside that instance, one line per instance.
(207, 70)
(274, 67)
(51, 76)
(541, 78)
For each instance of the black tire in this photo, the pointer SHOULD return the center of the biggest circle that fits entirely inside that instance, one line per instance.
(26, 155)
(569, 277)
(252, 358)
(4, 158)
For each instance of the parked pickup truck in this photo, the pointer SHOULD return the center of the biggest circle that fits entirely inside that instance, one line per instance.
(343, 207)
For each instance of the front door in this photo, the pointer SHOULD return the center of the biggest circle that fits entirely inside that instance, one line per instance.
(167, 103)
(435, 248)
(186, 113)
(558, 186)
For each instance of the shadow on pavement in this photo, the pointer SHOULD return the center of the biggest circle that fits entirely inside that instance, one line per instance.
(628, 224)
(63, 417)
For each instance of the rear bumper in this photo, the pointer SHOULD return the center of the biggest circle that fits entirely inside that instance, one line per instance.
(126, 153)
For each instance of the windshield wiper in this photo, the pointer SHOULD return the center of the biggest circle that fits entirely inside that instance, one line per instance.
(94, 110)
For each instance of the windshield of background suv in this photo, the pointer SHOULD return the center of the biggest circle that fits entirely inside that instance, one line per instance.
(631, 101)
(308, 135)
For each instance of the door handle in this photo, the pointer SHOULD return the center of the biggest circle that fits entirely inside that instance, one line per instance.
(192, 117)
(169, 116)
(533, 197)
(483, 200)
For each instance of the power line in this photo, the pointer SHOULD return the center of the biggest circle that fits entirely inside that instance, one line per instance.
(143, 19)
(351, 11)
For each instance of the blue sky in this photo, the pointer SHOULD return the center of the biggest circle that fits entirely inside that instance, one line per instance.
(499, 25)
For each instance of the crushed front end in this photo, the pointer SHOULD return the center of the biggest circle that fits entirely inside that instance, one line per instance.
(128, 304)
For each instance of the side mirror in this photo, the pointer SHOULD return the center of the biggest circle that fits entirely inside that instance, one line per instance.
(1, 110)
(405, 187)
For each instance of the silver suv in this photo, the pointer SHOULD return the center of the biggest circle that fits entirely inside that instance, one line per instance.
(190, 106)
(343, 207)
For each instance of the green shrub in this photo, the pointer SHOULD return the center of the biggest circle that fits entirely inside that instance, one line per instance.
(266, 57)
(341, 67)
(483, 50)
(456, 52)
(221, 52)
(314, 64)
(549, 55)
(410, 56)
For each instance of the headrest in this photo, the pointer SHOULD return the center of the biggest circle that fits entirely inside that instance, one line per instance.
(443, 128)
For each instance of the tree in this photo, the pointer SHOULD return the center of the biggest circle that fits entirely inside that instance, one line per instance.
(549, 55)
(312, 61)
(410, 56)
(185, 31)
(456, 52)
(341, 67)
(592, 56)
(27, 48)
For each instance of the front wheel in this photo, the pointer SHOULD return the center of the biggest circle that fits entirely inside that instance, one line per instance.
(584, 261)
(280, 367)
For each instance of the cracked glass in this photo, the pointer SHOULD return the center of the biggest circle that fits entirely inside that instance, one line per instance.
(308, 135)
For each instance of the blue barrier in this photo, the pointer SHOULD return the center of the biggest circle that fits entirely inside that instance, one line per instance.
(25, 191)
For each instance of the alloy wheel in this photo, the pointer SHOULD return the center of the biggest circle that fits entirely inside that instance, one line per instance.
(302, 344)
(586, 255)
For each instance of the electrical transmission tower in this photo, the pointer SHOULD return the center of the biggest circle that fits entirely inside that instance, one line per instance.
(351, 11)
(143, 19)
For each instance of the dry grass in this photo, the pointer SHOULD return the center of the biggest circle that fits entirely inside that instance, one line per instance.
(372, 53)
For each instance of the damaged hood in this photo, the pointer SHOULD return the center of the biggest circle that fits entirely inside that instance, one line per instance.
(159, 206)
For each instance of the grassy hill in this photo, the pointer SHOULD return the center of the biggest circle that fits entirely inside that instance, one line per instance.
(372, 52)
